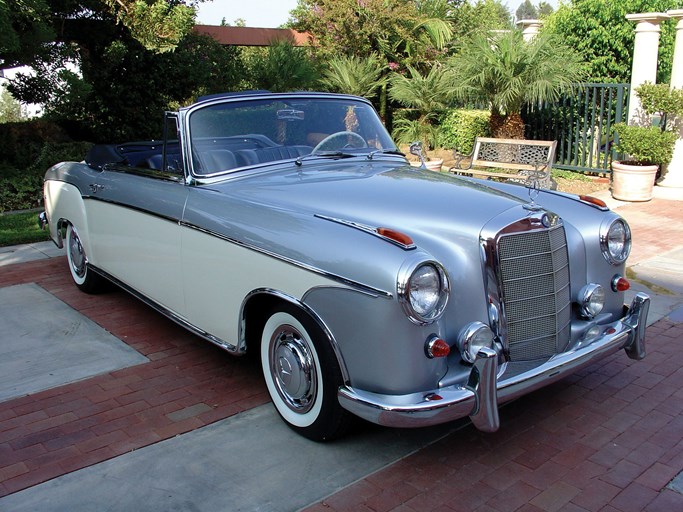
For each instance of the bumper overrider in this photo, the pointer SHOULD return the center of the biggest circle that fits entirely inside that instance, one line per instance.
(480, 397)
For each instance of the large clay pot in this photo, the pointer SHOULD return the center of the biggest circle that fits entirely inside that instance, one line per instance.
(633, 182)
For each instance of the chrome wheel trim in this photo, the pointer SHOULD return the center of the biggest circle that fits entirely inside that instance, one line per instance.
(291, 369)
(78, 261)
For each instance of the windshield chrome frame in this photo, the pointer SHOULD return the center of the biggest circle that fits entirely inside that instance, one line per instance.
(185, 113)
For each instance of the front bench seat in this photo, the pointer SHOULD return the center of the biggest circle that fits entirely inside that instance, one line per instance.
(218, 160)
(258, 156)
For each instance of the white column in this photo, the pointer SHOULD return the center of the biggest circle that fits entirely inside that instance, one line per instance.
(673, 175)
(530, 28)
(645, 50)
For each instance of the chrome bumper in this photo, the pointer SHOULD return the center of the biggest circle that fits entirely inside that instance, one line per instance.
(480, 397)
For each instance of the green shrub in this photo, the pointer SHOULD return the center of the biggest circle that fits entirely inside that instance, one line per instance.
(22, 142)
(459, 127)
(21, 192)
(53, 153)
(21, 188)
(645, 145)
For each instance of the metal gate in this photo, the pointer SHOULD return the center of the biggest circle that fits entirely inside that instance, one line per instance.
(581, 123)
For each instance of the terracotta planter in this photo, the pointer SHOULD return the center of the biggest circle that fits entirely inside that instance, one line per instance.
(633, 182)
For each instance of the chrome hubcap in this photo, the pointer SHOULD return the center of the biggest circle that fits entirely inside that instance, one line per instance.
(293, 369)
(77, 256)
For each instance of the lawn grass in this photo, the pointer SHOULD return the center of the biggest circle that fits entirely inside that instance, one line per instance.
(21, 228)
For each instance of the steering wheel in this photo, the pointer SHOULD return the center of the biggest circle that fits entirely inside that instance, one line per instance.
(339, 135)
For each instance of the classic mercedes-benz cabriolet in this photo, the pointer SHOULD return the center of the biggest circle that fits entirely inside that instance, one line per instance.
(289, 225)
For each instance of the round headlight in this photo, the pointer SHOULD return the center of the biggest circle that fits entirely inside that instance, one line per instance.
(615, 241)
(591, 300)
(424, 292)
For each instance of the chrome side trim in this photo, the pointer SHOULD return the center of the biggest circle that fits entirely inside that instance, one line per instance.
(334, 277)
(234, 349)
(367, 229)
(242, 344)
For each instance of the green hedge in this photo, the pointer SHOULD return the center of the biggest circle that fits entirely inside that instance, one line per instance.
(28, 150)
(459, 127)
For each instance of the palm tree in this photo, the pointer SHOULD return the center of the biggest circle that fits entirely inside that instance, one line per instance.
(360, 76)
(427, 96)
(505, 71)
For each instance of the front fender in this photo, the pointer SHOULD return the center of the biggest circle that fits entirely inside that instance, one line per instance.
(64, 204)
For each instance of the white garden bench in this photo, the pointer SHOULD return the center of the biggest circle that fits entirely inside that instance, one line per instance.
(531, 159)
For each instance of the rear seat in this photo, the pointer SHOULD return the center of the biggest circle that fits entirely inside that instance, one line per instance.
(261, 155)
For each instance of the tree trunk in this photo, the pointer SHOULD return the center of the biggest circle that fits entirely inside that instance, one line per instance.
(508, 126)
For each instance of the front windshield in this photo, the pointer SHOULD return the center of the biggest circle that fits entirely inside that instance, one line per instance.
(235, 134)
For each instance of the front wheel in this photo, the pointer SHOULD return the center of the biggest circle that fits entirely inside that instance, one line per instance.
(86, 280)
(302, 375)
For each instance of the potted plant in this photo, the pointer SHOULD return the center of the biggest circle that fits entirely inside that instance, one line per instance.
(648, 148)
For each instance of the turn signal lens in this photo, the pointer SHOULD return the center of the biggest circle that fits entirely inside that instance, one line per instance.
(396, 236)
(593, 200)
(436, 347)
(620, 284)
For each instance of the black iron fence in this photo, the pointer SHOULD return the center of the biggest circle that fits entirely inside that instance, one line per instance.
(581, 123)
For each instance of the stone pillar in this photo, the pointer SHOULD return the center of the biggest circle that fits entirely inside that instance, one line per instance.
(645, 52)
(530, 28)
(673, 175)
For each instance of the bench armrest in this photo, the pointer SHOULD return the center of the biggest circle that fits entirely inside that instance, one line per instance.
(459, 158)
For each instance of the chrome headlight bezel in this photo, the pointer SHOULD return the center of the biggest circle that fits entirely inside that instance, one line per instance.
(614, 250)
(405, 291)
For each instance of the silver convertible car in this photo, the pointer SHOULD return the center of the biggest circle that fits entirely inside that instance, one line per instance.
(291, 227)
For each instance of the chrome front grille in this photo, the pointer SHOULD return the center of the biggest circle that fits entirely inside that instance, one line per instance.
(534, 268)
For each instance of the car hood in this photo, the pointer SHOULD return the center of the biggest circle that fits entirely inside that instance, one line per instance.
(378, 194)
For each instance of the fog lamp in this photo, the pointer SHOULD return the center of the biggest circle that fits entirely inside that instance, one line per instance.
(591, 300)
(592, 333)
(472, 338)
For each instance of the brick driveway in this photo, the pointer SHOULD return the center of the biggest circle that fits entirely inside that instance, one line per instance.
(609, 438)
(187, 384)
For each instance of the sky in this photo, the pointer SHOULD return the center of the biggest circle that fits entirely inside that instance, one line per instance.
(256, 13)
(271, 13)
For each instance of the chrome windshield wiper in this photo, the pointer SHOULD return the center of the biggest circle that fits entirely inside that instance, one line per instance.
(370, 155)
(324, 154)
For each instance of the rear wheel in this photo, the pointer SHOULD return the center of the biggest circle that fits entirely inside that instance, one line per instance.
(86, 280)
(302, 375)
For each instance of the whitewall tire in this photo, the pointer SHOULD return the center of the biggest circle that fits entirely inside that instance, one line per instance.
(302, 375)
(86, 280)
